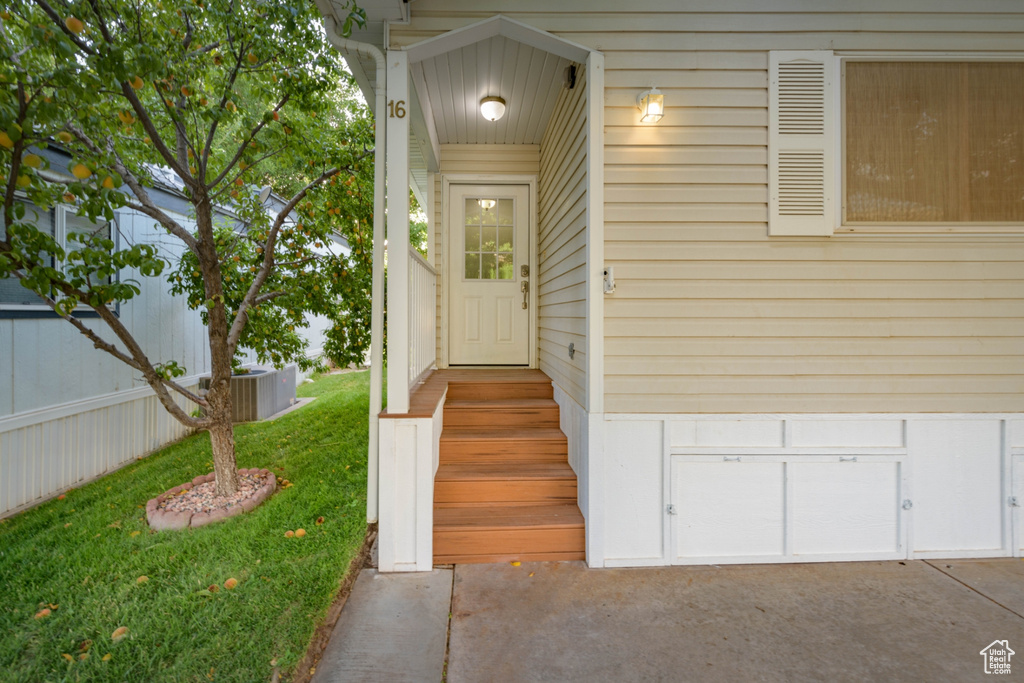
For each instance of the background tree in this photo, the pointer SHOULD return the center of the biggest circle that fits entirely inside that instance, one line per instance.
(213, 90)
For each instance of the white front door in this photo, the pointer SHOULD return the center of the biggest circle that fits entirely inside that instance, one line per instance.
(489, 273)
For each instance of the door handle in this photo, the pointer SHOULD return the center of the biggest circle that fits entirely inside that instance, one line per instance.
(526, 293)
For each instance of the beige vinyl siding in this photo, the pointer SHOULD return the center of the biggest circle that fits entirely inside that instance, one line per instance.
(489, 160)
(711, 315)
(562, 271)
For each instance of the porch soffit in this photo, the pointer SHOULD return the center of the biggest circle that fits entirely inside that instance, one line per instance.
(523, 65)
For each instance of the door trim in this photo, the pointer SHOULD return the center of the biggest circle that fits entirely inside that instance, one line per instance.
(447, 180)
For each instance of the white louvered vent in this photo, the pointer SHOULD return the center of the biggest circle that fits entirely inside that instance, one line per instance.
(802, 98)
(801, 183)
(801, 141)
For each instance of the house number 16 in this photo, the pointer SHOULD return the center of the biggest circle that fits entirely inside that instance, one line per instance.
(396, 110)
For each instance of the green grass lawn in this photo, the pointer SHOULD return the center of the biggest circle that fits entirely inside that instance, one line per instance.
(85, 553)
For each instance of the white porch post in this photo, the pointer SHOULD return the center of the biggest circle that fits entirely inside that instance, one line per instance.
(407, 444)
(397, 117)
(595, 459)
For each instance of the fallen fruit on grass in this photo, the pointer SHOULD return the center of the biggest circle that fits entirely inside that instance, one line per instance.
(107, 657)
(74, 25)
(319, 520)
(119, 633)
(231, 583)
(289, 533)
(299, 533)
(142, 579)
(61, 496)
(213, 588)
(66, 656)
(43, 613)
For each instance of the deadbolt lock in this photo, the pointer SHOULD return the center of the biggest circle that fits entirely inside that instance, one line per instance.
(524, 271)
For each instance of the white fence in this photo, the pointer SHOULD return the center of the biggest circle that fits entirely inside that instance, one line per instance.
(422, 316)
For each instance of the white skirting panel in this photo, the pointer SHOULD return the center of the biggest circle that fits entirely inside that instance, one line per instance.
(47, 451)
(698, 489)
(573, 421)
(409, 455)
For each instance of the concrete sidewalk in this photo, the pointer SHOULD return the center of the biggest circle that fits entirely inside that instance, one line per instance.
(865, 621)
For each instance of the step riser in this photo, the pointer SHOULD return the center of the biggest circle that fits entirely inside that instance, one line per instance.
(558, 491)
(578, 555)
(501, 417)
(493, 391)
(488, 504)
(508, 542)
(504, 451)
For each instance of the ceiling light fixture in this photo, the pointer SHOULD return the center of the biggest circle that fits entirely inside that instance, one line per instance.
(492, 107)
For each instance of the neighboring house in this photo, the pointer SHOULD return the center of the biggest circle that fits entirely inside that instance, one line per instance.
(69, 412)
(783, 323)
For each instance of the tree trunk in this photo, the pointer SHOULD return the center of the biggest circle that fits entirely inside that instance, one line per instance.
(222, 434)
(222, 438)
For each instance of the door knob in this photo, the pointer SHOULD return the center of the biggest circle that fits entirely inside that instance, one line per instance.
(526, 293)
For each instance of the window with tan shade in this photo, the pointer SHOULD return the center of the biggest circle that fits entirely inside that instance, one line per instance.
(934, 142)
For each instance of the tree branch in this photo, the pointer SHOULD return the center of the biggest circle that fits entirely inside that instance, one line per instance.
(99, 19)
(264, 298)
(242, 315)
(56, 18)
(154, 135)
(137, 360)
(144, 204)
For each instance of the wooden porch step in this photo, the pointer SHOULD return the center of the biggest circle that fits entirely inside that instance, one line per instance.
(513, 412)
(492, 391)
(468, 444)
(501, 533)
(537, 483)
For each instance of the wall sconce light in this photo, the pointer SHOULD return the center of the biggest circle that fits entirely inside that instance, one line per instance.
(486, 204)
(492, 108)
(651, 104)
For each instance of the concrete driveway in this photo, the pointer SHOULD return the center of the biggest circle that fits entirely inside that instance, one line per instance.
(549, 621)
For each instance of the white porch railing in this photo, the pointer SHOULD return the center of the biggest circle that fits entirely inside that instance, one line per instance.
(422, 316)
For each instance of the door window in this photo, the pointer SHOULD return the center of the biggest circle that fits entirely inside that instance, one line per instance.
(489, 239)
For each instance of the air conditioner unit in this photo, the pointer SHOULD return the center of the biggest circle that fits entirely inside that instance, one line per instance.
(260, 393)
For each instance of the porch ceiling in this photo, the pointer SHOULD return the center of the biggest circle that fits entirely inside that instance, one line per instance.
(453, 83)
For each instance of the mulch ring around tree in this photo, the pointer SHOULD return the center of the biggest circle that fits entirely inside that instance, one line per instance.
(197, 504)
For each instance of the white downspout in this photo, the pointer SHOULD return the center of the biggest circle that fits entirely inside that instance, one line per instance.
(351, 47)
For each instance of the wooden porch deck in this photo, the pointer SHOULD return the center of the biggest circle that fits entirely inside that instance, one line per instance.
(504, 489)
